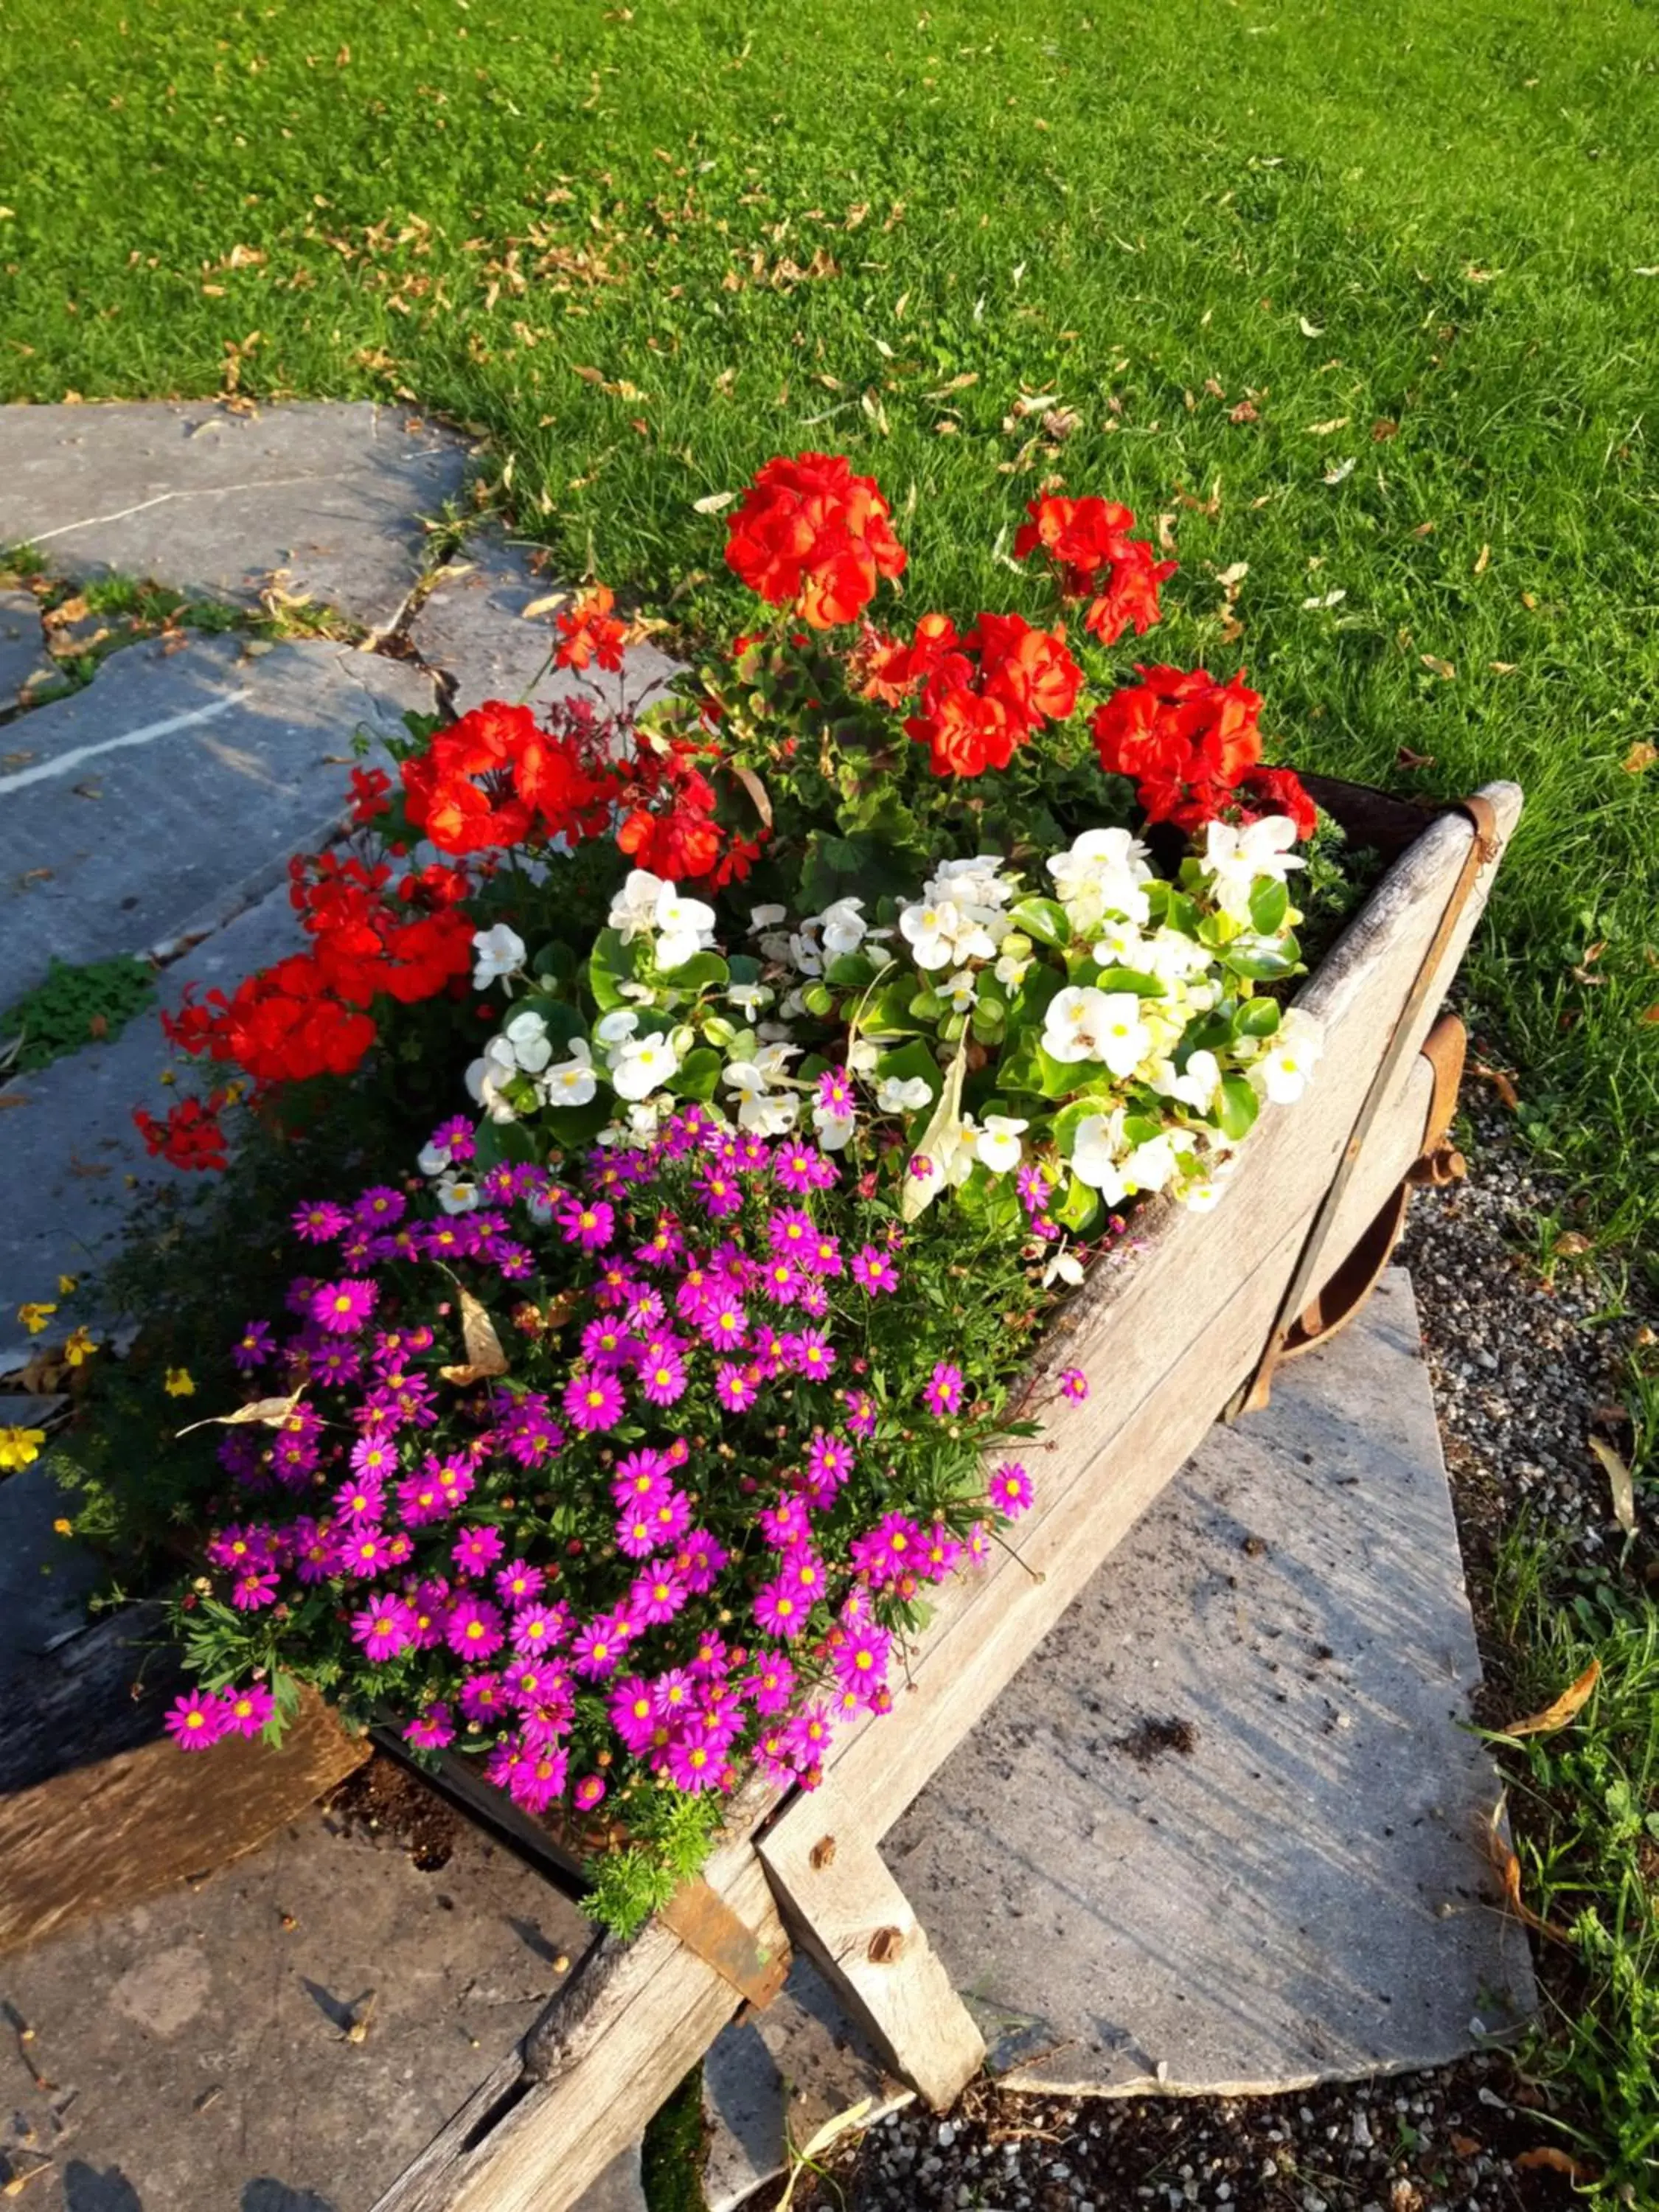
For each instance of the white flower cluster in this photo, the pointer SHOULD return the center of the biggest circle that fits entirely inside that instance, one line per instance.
(676, 926)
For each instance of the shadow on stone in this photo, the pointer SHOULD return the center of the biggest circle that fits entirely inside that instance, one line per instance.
(265, 2194)
(85, 2189)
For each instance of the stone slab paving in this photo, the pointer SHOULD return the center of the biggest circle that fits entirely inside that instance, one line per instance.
(1224, 1831)
(72, 1159)
(194, 2048)
(22, 647)
(472, 627)
(174, 785)
(327, 497)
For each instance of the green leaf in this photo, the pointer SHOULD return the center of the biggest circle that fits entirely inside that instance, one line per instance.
(851, 971)
(1079, 1208)
(700, 972)
(888, 1012)
(1257, 1018)
(499, 1141)
(1130, 979)
(570, 1126)
(1270, 902)
(744, 966)
(563, 1024)
(554, 966)
(817, 998)
(1045, 919)
(1239, 1106)
(699, 1072)
(1258, 967)
(611, 963)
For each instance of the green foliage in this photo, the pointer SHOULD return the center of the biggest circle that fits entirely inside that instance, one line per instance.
(76, 1007)
(669, 1833)
(1584, 1804)
(671, 2155)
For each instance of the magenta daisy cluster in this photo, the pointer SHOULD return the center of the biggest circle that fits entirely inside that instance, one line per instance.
(678, 1529)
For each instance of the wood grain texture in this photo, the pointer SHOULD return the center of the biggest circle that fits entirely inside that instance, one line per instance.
(1166, 1336)
(848, 1914)
(98, 1837)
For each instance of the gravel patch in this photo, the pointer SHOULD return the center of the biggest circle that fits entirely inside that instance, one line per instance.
(1525, 1368)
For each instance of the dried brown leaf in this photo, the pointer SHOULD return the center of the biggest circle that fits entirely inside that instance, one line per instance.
(273, 1411)
(1554, 2159)
(1641, 756)
(1445, 670)
(484, 1357)
(1500, 1082)
(1557, 1715)
(1618, 1478)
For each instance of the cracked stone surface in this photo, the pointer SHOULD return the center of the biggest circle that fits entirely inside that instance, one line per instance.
(174, 787)
(327, 497)
(471, 627)
(195, 2046)
(74, 1160)
(22, 647)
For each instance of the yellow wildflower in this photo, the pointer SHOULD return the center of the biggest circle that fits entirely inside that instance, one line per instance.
(20, 1448)
(80, 1347)
(66, 1284)
(63, 1528)
(35, 1317)
(180, 1383)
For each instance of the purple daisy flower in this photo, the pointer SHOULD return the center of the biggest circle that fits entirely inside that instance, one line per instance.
(247, 1709)
(483, 1701)
(874, 1273)
(772, 1685)
(662, 1374)
(343, 1308)
(589, 1224)
(457, 1137)
(518, 1582)
(539, 1778)
(321, 1222)
(943, 1394)
(632, 1711)
(1073, 1385)
(432, 1728)
(1010, 1490)
(737, 1387)
(385, 1627)
(473, 1630)
(476, 1551)
(861, 1412)
(809, 1351)
(594, 1400)
(196, 1720)
(600, 1647)
(589, 1792)
(253, 1347)
(537, 1628)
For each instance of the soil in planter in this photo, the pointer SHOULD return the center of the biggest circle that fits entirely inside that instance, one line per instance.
(385, 1801)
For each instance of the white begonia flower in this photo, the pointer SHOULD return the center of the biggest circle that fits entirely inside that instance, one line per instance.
(1196, 1087)
(765, 917)
(902, 1094)
(618, 1025)
(642, 1065)
(1121, 944)
(997, 1144)
(941, 934)
(1083, 1024)
(684, 926)
(1237, 860)
(749, 998)
(774, 947)
(488, 1075)
(835, 1130)
(806, 954)
(1063, 1266)
(571, 1082)
(1280, 1075)
(843, 926)
(633, 909)
(1103, 873)
(773, 1061)
(862, 1055)
(1172, 956)
(457, 1193)
(526, 1037)
(432, 1160)
(1009, 972)
(496, 951)
(959, 991)
(1096, 1148)
(1149, 1166)
(954, 1150)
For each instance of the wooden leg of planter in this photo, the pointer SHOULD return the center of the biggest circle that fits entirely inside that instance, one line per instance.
(846, 1911)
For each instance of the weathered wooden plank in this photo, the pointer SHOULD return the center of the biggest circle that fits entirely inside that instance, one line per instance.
(848, 1914)
(1168, 1336)
(99, 1837)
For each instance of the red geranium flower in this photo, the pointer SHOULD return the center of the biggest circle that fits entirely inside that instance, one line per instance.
(1087, 539)
(811, 535)
(589, 632)
(1185, 738)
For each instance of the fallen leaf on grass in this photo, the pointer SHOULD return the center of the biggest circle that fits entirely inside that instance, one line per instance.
(1553, 2160)
(1466, 2146)
(1405, 757)
(1509, 1872)
(1503, 667)
(484, 1357)
(1500, 1082)
(1619, 1477)
(1556, 1715)
(1651, 1014)
(1641, 756)
(1445, 670)
(1327, 429)
(1481, 559)
(543, 606)
(713, 502)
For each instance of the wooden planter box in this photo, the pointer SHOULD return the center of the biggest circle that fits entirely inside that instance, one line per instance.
(1169, 1334)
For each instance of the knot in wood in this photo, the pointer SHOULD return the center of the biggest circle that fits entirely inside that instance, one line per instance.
(822, 1854)
(885, 1945)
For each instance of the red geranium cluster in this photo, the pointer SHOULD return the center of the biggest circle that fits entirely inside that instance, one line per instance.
(813, 535)
(1193, 747)
(983, 695)
(191, 1137)
(1088, 541)
(671, 828)
(308, 1015)
(496, 775)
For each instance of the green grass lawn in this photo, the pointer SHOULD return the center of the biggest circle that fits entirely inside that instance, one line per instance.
(1254, 250)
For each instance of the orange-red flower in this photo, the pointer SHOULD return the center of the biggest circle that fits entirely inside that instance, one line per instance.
(811, 535)
(591, 632)
(496, 776)
(191, 1137)
(984, 695)
(1087, 540)
(1186, 739)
